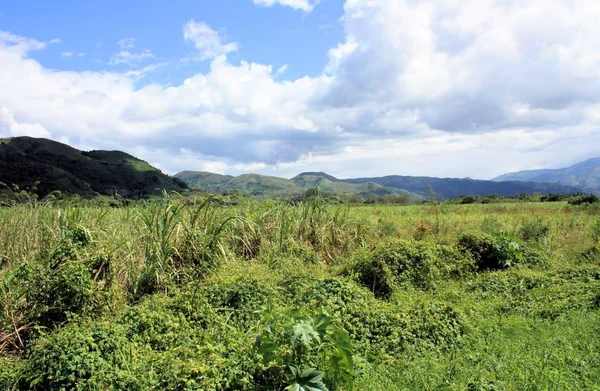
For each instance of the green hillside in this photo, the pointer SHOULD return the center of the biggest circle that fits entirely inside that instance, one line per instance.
(416, 188)
(263, 185)
(584, 175)
(56, 166)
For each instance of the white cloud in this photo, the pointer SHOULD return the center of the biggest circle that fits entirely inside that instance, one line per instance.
(302, 5)
(207, 41)
(281, 70)
(455, 88)
(129, 55)
(126, 43)
(18, 44)
(10, 127)
(130, 58)
(72, 54)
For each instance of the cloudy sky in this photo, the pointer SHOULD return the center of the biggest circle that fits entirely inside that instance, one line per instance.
(457, 88)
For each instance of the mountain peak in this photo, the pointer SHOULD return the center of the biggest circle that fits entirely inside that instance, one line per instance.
(317, 174)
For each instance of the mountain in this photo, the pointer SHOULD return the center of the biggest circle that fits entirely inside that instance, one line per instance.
(417, 188)
(584, 175)
(57, 166)
(259, 185)
(455, 187)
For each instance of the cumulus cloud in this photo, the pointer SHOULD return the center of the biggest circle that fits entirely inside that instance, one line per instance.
(207, 41)
(302, 5)
(456, 88)
(10, 127)
(129, 55)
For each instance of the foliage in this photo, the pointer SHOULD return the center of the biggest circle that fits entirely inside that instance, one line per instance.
(493, 252)
(534, 230)
(294, 341)
(214, 273)
(420, 265)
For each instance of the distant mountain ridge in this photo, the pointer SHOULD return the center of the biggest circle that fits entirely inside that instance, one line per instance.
(57, 166)
(264, 185)
(584, 175)
(415, 187)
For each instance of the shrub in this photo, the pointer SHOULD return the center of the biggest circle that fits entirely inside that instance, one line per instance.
(386, 228)
(375, 329)
(76, 356)
(10, 372)
(534, 230)
(299, 345)
(240, 301)
(436, 326)
(422, 231)
(51, 295)
(379, 329)
(413, 263)
(492, 252)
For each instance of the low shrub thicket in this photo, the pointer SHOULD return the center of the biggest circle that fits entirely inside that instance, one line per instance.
(417, 264)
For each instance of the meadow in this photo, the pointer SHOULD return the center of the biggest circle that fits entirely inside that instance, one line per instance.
(212, 293)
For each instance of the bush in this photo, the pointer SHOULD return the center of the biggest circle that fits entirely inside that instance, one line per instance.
(379, 329)
(496, 252)
(534, 230)
(584, 199)
(409, 263)
(80, 357)
(240, 301)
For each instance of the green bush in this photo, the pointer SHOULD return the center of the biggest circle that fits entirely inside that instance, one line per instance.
(379, 329)
(534, 229)
(11, 369)
(492, 252)
(86, 357)
(241, 301)
(409, 263)
(436, 326)
(374, 328)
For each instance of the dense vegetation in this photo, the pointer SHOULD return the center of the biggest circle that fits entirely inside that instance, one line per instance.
(207, 294)
(50, 166)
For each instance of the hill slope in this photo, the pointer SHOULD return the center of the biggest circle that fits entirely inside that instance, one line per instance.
(584, 175)
(25, 160)
(255, 184)
(414, 187)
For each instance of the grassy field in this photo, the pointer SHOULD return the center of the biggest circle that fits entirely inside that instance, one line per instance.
(204, 294)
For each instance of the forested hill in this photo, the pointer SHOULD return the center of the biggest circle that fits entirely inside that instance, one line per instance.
(56, 166)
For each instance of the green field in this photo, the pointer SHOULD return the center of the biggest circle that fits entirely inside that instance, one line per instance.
(209, 294)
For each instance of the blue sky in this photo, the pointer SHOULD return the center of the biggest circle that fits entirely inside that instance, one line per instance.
(275, 35)
(352, 87)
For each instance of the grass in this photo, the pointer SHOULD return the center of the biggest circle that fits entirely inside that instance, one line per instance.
(179, 290)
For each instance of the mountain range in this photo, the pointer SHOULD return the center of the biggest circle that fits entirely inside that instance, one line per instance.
(584, 175)
(24, 161)
(56, 166)
(416, 188)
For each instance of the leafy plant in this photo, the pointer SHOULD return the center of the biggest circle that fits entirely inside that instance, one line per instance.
(306, 380)
(294, 341)
(496, 252)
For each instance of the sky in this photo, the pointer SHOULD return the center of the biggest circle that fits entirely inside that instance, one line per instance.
(354, 88)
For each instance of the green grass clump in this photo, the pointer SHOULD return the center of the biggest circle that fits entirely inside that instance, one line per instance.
(417, 264)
